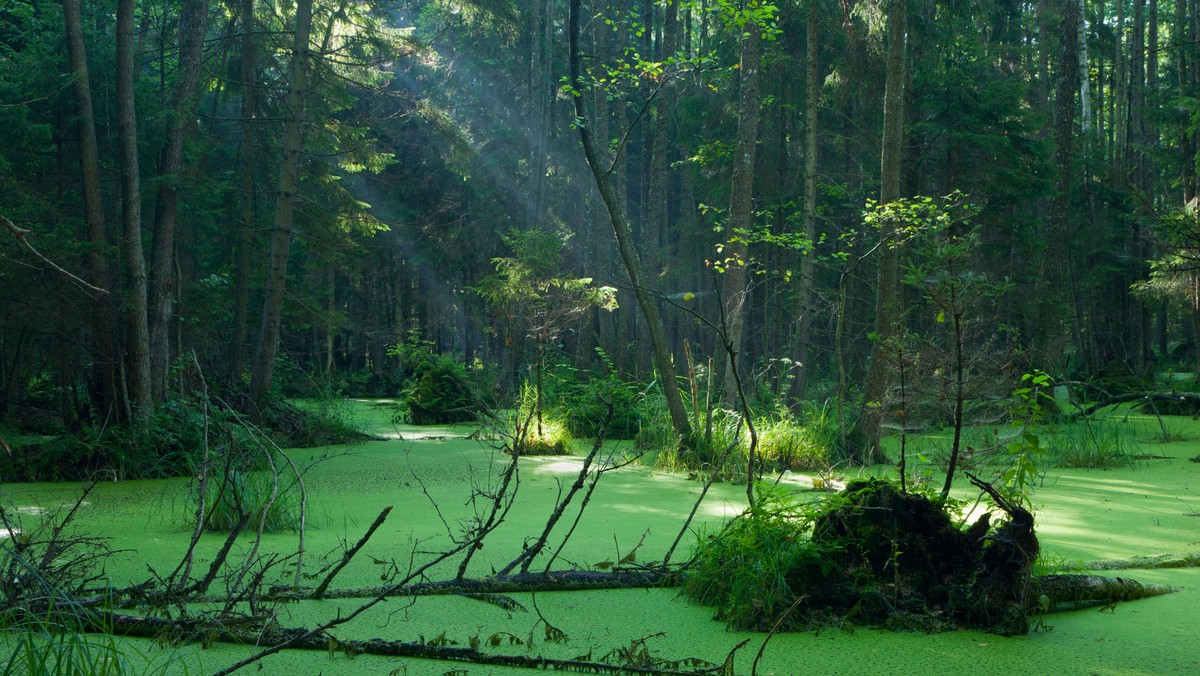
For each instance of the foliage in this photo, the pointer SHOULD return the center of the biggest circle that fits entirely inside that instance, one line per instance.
(794, 444)
(580, 400)
(535, 300)
(755, 568)
(534, 435)
(312, 423)
(1031, 402)
(157, 446)
(964, 345)
(439, 388)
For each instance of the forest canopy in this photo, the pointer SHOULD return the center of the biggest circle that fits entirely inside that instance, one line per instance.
(281, 198)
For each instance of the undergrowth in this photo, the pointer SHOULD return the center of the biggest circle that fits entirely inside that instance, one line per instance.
(784, 442)
(755, 568)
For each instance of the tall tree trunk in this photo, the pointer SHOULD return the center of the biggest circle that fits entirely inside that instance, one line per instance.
(162, 260)
(741, 207)
(539, 82)
(865, 446)
(656, 193)
(138, 339)
(812, 93)
(106, 393)
(1056, 267)
(1085, 82)
(249, 202)
(285, 204)
(624, 238)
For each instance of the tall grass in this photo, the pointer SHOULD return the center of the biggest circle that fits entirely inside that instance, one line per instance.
(785, 442)
(271, 500)
(534, 434)
(1101, 443)
(47, 649)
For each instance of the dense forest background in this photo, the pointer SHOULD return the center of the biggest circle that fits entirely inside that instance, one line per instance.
(285, 199)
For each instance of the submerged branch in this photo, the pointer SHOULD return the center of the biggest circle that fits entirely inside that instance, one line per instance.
(439, 648)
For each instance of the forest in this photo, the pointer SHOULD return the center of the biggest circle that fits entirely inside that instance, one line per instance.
(811, 260)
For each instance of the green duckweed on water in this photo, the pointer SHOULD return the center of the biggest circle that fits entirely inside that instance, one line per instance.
(1082, 515)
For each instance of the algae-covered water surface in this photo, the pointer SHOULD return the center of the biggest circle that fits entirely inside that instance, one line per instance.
(428, 475)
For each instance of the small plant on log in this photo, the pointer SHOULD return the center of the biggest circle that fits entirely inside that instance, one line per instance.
(533, 436)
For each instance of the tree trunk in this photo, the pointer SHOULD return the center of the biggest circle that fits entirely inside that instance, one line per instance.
(1057, 262)
(105, 394)
(162, 261)
(131, 199)
(865, 445)
(625, 245)
(285, 204)
(741, 209)
(812, 92)
(246, 228)
(1180, 35)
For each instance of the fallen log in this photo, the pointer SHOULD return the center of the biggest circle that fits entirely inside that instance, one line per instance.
(437, 648)
(559, 580)
(1191, 560)
(1068, 592)
(1160, 397)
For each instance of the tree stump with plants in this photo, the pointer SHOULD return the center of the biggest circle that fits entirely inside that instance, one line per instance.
(906, 564)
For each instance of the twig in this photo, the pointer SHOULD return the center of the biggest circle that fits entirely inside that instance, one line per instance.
(703, 492)
(774, 628)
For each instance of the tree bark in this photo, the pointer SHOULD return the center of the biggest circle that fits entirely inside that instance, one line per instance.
(624, 238)
(1056, 265)
(285, 204)
(138, 338)
(807, 282)
(106, 393)
(245, 240)
(865, 444)
(162, 260)
(741, 208)
(1073, 591)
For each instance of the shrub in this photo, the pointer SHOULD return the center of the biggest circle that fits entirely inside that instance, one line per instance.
(324, 422)
(784, 442)
(794, 444)
(584, 408)
(439, 389)
(753, 570)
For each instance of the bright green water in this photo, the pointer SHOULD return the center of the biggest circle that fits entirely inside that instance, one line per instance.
(1082, 514)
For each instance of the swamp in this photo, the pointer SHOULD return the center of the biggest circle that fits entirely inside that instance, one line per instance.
(610, 336)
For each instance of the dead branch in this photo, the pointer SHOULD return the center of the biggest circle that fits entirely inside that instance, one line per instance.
(529, 553)
(319, 593)
(1143, 397)
(22, 235)
(559, 580)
